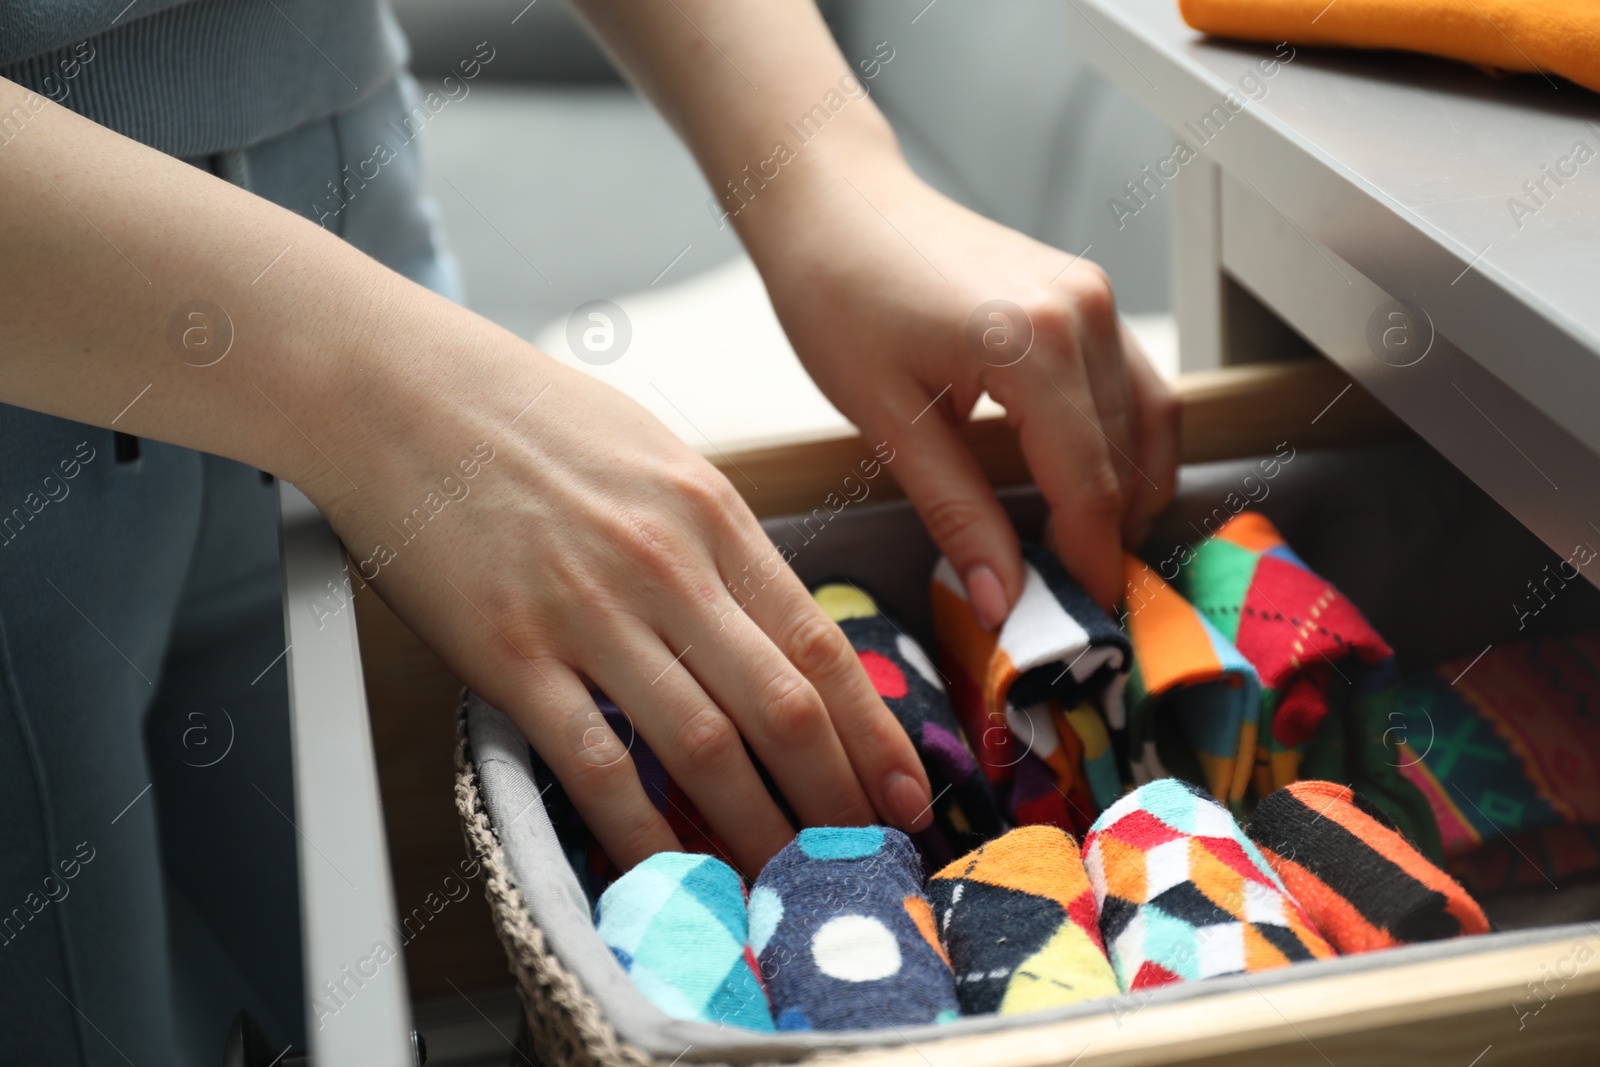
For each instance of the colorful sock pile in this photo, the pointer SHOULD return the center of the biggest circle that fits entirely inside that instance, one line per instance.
(1099, 758)
(1183, 894)
(1018, 920)
(845, 936)
(1512, 746)
(1359, 881)
(1194, 701)
(676, 923)
(1328, 679)
(1055, 651)
(964, 809)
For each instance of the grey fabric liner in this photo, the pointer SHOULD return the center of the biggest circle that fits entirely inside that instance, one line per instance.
(886, 539)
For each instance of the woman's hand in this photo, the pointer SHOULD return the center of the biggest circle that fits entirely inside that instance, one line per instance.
(897, 299)
(589, 545)
(906, 307)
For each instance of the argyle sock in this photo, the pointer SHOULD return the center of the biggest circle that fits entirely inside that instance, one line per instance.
(1506, 742)
(1194, 702)
(677, 924)
(1315, 654)
(1183, 894)
(965, 813)
(1056, 649)
(845, 936)
(1359, 881)
(1018, 920)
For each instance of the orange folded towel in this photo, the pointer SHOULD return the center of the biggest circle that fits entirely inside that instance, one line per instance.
(1545, 37)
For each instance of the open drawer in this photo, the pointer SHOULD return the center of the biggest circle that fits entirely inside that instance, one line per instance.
(1413, 543)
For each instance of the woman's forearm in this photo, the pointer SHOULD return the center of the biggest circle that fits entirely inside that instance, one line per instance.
(142, 293)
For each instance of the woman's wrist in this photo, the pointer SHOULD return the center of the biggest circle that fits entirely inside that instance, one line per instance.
(421, 378)
(779, 194)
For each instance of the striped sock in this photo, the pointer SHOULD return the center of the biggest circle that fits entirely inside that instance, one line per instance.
(845, 936)
(1018, 919)
(1363, 885)
(1183, 894)
(964, 808)
(676, 923)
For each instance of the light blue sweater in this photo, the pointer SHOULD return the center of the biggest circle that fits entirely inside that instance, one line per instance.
(196, 77)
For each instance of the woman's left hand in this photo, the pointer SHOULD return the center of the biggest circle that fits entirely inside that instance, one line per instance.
(906, 307)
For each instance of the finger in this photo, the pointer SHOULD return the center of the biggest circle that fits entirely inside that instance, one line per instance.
(593, 765)
(698, 745)
(1099, 341)
(1100, 346)
(876, 745)
(958, 506)
(780, 713)
(1157, 422)
(1070, 458)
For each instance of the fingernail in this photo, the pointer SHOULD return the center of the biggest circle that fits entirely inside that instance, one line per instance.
(988, 596)
(908, 801)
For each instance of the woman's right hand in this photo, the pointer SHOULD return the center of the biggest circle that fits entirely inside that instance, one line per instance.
(590, 545)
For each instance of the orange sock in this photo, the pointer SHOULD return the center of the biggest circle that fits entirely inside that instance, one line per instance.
(1362, 884)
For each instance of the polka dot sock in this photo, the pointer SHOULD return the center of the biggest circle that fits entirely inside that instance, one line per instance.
(1183, 894)
(1194, 702)
(1363, 885)
(845, 937)
(965, 814)
(1018, 920)
(676, 923)
(1055, 651)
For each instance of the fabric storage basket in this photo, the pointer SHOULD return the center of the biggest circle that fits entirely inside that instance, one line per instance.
(1394, 527)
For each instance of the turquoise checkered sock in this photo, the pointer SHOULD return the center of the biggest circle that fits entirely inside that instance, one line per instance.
(676, 923)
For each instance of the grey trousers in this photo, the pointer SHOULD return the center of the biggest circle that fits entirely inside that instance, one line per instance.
(147, 860)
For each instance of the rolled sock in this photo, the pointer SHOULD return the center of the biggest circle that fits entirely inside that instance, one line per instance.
(1362, 884)
(1057, 649)
(845, 936)
(1194, 702)
(1099, 761)
(1184, 894)
(964, 808)
(1513, 746)
(1289, 623)
(1328, 680)
(677, 924)
(1018, 920)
